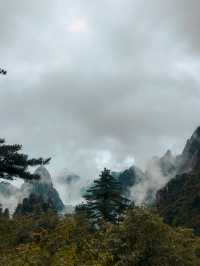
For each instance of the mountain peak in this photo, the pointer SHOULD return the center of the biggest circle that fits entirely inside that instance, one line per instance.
(44, 174)
(43, 188)
(168, 157)
(197, 131)
(190, 158)
(194, 140)
(168, 153)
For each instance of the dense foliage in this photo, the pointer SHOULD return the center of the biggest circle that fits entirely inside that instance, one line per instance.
(34, 205)
(142, 239)
(15, 164)
(104, 200)
(179, 201)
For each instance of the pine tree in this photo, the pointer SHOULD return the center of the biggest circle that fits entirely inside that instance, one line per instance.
(6, 213)
(104, 200)
(15, 164)
(3, 71)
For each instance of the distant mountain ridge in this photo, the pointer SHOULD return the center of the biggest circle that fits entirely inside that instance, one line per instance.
(129, 178)
(147, 187)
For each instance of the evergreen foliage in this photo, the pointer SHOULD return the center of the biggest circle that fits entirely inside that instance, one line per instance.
(3, 71)
(15, 164)
(104, 200)
(4, 213)
(179, 201)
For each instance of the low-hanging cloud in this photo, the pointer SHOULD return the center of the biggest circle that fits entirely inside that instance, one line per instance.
(144, 192)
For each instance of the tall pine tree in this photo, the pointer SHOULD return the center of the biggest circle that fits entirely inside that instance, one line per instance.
(104, 200)
(15, 164)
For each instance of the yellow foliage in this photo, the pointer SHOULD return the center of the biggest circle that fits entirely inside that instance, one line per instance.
(142, 239)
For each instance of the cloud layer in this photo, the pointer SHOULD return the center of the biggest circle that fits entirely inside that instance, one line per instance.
(90, 79)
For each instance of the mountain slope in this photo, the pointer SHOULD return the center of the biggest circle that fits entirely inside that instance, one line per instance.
(43, 188)
(190, 158)
(179, 201)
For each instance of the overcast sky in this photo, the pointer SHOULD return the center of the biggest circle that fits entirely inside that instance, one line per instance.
(99, 83)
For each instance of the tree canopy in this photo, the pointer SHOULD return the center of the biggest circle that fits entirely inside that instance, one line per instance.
(142, 239)
(104, 199)
(3, 71)
(15, 164)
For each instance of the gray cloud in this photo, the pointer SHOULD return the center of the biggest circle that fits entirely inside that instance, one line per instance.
(125, 84)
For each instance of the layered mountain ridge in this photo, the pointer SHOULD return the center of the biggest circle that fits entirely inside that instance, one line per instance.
(165, 179)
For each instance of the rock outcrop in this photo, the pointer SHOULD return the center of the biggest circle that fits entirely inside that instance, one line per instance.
(43, 188)
(179, 200)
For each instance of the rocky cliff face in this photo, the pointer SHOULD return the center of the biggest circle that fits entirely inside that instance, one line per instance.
(190, 158)
(179, 201)
(187, 162)
(43, 188)
(168, 164)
